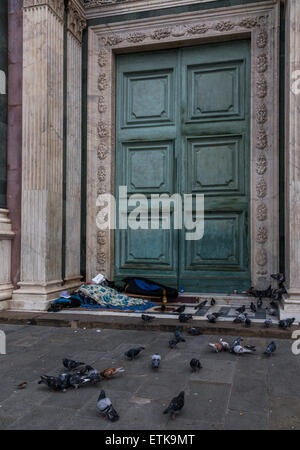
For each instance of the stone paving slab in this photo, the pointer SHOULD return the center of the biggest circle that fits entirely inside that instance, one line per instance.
(230, 392)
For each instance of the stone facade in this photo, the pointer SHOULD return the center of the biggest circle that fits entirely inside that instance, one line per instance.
(51, 143)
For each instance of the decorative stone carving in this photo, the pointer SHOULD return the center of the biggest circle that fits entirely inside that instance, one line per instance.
(261, 188)
(250, 22)
(197, 29)
(76, 19)
(179, 31)
(102, 151)
(261, 257)
(161, 33)
(57, 6)
(101, 105)
(261, 164)
(101, 174)
(262, 39)
(224, 26)
(261, 86)
(261, 235)
(93, 3)
(261, 212)
(102, 55)
(113, 39)
(101, 237)
(102, 82)
(262, 63)
(261, 113)
(261, 138)
(102, 128)
(101, 257)
(136, 37)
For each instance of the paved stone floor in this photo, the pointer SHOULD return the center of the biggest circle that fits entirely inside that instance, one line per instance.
(230, 392)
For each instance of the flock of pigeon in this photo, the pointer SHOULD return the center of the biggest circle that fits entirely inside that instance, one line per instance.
(78, 374)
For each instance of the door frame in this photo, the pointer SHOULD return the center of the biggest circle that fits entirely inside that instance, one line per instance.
(258, 22)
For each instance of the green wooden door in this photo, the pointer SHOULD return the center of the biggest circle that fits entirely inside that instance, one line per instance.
(182, 126)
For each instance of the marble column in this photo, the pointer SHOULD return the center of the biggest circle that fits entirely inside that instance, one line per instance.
(291, 302)
(42, 154)
(75, 24)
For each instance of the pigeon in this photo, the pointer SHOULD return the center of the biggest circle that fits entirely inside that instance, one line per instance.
(268, 323)
(273, 304)
(253, 307)
(237, 341)
(162, 308)
(65, 380)
(201, 305)
(147, 318)
(106, 408)
(178, 335)
(241, 310)
(239, 350)
(259, 293)
(156, 358)
(93, 375)
(259, 303)
(175, 405)
(219, 346)
(173, 343)
(180, 309)
(279, 277)
(240, 318)
(212, 317)
(108, 373)
(53, 383)
(77, 380)
(271, 311)
(195, 365)
(194, 331)
(184, 317)
(286, 323)
(133, 352)
(71, 365)
(212, 302)
(270, 349)
(247, 322)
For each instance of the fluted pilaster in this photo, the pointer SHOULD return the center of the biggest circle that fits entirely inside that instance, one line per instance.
(42, 154)
(76, 23)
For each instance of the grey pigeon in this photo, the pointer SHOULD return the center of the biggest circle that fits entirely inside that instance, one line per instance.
(248, 322)
(54, 383)
(178, 335)
(132, 353)
(195, 365)
(147, 318)
(65, 380)
(180, 309)
(237, 341)
(71, 365)
(268, 323)
(259, 303)
(194, 331)
(184, 317)
(241, 309)
(270, 349)
(239, 350)
(173, 343)
(175, 405)
(279, 277)
(106, 408)
(271, 311)
(201, 305)
(212, 317)
(77, 380)
(156, 358)
(212, 302)
(286, 323)
(93, 375)
(253, 307)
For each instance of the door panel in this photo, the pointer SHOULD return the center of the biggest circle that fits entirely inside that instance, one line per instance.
(183, 119)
